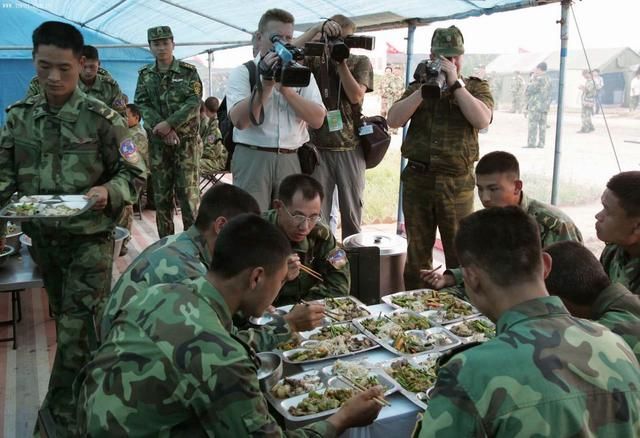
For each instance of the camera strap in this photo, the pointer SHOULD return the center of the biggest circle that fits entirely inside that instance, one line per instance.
(256, 91)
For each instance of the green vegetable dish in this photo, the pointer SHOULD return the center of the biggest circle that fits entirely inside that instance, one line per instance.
(320, 402)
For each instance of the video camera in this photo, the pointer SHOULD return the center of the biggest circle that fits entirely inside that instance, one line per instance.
(340, 48)
(432, 78)
(286, 70)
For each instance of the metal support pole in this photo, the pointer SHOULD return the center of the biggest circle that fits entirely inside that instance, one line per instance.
(564, 40)
(210, 64)
(408, 74)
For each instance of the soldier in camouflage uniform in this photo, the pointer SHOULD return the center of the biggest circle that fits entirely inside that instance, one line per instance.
(391, 88)
(441, 147)
(578, 278)
(65, 142)
(538, 94)
(517, 92)
(588, 99)
(618, 225)
(499, 185)
(168, 94)
(214, 156)
(343, 85)
(173, 365)
(546, 373)
(95, 81)
(297, 214)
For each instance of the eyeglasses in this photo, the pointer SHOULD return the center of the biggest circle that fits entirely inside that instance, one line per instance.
(299, 219)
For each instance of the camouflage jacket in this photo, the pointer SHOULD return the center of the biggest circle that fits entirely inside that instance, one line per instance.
(440, 135)
(347, 138)
(539, 94)
(172, 96)
(517, 86)
(214, 155)
(176, 259)
(82, 145)
(105, 89)
(315, 251)
(619, 310)
(589, 92)
(139, 136)
(564, 377)
(621, 267)
(172, 366)
(391, 87)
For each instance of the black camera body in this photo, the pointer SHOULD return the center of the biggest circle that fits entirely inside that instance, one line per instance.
(287, 71)
(340, 48)
(432, 78)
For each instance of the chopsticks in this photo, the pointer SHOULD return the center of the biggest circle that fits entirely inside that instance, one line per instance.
(325, 312)
(311, 272)
(355, 385)
(434, 269)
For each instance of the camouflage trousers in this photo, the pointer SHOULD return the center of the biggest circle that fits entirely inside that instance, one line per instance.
(587, 124)
(77, 276)
(537, 128)
(430, 202)
(175, 170)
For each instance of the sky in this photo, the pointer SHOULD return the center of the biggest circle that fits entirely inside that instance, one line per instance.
(602, 23)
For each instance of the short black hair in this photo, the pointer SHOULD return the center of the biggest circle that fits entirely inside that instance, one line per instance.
(59, 34)
(212, 104)
(542, 66)
(90, 52)
(135, 110)
(224, 200)
(576, 274)
(502, 241)
(498, 162)
(248, 241)
(309, 186)
(626, 187)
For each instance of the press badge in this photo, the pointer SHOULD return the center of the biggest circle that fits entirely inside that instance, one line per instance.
(365, 130)
(337, 258)
(334, 120)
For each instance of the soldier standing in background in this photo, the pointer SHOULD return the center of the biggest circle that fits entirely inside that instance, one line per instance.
(214, 156)
(441, 146)
(63, 142)
(168, 94)
(517, 92)
(588, 100)
(391, 88)
(538, 98)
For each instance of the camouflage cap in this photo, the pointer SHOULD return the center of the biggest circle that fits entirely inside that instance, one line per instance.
(159, 33)
(447, 41)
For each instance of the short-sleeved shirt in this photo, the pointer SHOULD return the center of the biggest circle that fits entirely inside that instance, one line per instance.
(282, 128)
(346, 138)
(172, 366)
(439, 134)
(619, 310)
(621, 267)
(545, 373)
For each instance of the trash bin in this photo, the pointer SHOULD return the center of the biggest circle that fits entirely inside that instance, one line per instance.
(119, 234)
(393, 254)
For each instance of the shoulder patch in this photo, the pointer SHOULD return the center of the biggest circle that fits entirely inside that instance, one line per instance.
(446, 357)
(187, 65)
(129, 151)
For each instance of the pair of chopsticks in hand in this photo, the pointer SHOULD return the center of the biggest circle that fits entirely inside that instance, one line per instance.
(326, 312)
(355, 385)
(311, 272)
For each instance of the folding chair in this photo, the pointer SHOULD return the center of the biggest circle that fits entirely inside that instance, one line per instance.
(210, 179)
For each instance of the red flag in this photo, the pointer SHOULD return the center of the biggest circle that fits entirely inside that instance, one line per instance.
(392, 50)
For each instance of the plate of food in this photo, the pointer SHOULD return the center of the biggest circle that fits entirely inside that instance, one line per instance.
(360, 372)
(440, 307)
(296, 385)
(46, 207)
(413, 378)
(331, 331)
(315, 404)
(340, 346)
(472, 330)
(345, 308)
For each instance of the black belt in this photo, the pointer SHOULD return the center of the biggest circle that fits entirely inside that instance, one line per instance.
(273, 150)
(418, 166)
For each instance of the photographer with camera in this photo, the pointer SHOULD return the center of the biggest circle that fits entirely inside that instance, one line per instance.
(343, 79)
(266, 146)
(441, 146)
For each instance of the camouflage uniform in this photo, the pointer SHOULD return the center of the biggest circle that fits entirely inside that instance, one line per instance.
(538, 98)
(621, 267)
(391, 89)
(105, 89)
(517, 91)
(173, 366)
(619, 310)
(214, 156)
(68, 152)
(441, 146)
(315, 251)
(342, 162)
(172, 96)
(564, 377)
(588, 105)
(553, 223)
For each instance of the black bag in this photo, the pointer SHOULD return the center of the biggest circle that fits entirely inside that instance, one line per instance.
(224, 121)
(309, 158)
(374, 144)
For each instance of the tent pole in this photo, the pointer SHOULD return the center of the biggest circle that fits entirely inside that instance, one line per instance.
(408, 74)
(210, 64)
(564, 39)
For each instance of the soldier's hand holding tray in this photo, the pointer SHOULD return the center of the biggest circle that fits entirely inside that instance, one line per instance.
(101, 196)
(303, 317)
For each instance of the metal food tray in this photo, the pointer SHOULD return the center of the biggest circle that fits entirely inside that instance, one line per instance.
(475, 337)
(414, 362)
(275, 402)
(307, 335)
(432, 314)
(71, 201)
(289, 353)
(358, 303)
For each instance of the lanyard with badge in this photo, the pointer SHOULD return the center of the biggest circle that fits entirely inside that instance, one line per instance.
(334, 117)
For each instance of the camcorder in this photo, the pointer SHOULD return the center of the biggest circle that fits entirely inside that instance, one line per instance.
(287, 70)
(340, 48)
(432, 78)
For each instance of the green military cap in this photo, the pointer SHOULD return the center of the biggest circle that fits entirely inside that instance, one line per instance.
(159, 33)
(447, 41)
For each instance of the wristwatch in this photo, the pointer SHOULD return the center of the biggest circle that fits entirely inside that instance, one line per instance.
(459, 83)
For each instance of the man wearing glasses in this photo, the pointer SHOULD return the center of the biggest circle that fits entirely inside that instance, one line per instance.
(297, 213)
